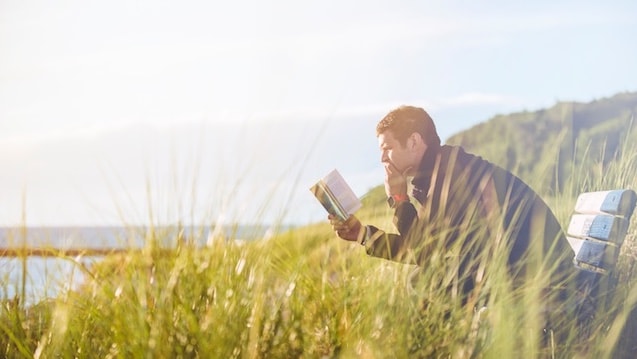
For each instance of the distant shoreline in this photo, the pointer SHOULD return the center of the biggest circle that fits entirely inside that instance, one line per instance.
(118, 237)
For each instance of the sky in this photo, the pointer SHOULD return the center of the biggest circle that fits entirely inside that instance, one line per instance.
(127, 111)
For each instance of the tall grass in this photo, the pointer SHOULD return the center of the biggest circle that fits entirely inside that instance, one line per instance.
(305, 293)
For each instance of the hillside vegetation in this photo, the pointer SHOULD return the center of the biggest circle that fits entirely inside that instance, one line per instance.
(548, 146)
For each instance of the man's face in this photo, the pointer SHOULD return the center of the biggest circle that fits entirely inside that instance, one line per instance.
(392, 152)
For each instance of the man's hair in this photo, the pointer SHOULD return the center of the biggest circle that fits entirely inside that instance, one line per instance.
(405, 120)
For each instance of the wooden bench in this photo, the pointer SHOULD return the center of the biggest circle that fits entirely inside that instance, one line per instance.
(596, 232)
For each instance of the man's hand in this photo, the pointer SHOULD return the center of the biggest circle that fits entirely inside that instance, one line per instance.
(395, 181)
(349, 230)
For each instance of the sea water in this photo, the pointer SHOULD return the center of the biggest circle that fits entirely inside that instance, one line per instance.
(35, 278)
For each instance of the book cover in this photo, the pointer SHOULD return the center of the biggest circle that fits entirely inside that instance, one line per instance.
(336, 196)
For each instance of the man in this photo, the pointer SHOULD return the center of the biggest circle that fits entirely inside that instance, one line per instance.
(464, 213)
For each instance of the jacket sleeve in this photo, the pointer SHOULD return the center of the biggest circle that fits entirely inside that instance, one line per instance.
(379, 243)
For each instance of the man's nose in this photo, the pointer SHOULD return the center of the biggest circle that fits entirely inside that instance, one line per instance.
(383, 157)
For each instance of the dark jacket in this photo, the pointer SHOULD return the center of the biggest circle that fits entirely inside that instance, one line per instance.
(468, 214)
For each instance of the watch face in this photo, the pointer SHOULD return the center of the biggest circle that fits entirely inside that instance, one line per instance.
(391, 200)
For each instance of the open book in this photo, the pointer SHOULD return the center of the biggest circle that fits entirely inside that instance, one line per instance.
(336, 196)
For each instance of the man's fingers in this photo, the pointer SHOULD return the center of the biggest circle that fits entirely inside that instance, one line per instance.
(390, 169)
(341, 227)
(349, 234)
(348, 229)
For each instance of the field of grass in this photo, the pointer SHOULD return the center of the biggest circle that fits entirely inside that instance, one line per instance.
(306, 293)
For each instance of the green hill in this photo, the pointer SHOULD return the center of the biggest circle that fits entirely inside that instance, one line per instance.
(547, 146)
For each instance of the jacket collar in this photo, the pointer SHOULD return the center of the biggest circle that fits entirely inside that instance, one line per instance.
(422, 180)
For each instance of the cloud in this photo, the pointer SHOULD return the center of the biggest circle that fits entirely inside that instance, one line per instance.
(439, 103)
(476, 99)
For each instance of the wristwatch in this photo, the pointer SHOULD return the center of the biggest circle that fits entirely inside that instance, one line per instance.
(394, 199)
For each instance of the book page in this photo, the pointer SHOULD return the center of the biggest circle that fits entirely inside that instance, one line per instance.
(328, 200)
(342, 191)
(336, 196)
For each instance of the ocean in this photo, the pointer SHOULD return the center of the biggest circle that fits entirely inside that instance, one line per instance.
(45, 277)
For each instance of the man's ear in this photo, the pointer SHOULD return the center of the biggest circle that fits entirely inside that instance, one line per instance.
(415, 141)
